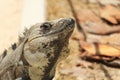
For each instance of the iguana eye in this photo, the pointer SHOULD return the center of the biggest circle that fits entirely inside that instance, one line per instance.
(46, 26)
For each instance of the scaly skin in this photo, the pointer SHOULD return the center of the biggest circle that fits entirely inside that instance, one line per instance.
(36, 57)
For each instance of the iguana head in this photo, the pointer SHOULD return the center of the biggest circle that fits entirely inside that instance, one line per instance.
(45, 44)
(46, 38)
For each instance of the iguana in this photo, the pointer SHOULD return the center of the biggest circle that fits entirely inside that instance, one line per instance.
(37, 54)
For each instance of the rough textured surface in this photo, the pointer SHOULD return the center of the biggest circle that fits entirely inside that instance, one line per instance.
(38, 52)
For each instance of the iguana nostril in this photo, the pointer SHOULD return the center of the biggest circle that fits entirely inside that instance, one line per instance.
(71, 20)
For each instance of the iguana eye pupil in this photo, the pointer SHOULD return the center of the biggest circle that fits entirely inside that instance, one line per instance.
(46, 26)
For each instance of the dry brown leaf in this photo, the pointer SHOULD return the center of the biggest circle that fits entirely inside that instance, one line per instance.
(110, 13)
(100, 49)
(93, 24)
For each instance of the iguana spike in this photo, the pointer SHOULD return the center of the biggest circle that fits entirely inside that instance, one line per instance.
(22, 35)
(14, 46)
(3, 55)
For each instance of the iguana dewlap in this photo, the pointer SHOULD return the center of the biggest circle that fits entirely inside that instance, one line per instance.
(36, 56)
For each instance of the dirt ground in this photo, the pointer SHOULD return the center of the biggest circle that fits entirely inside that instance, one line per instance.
(10, 13)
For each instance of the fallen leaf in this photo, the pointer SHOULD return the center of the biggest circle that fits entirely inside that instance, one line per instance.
(100, 49)
(110, 13)
(92, 23)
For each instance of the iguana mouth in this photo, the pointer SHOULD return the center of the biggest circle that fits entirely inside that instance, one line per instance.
(67, 26)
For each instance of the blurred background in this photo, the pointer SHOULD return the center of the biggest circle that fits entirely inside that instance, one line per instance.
(10, 17)
(95, 40)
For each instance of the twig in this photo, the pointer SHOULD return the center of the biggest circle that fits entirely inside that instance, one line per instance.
(77, 21)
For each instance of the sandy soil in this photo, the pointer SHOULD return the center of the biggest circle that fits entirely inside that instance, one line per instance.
(10, 13)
